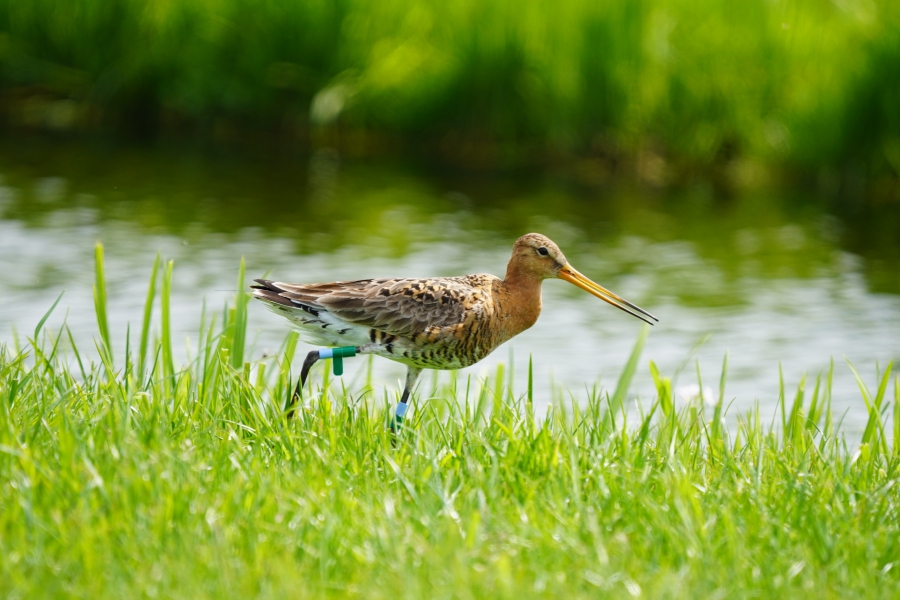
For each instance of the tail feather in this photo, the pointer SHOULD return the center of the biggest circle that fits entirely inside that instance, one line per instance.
(266, 284)
(267, 291)
(270, 296)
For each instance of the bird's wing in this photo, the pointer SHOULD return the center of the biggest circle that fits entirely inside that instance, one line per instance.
(401, 307)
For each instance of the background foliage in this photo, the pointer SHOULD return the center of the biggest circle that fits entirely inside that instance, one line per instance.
(795, 83)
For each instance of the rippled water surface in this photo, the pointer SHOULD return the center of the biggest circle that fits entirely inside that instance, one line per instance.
(768, 278)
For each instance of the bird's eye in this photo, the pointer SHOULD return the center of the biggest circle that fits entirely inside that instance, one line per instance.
(543, 251)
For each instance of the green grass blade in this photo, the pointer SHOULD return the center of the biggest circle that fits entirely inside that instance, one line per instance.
(815, 407)
(874, 433)
(625, 378)
(829, 414)
(716, 426)
(40, 325)
(100, 302)
(145, 324)
(896, 440)
(74, 347)
(779, 406)
(239, 323)
(663, 391)
(128, 365)
(168, 364)
(883, 386)
(530, 381)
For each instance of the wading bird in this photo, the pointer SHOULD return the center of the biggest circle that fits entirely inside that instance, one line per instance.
(436, 323)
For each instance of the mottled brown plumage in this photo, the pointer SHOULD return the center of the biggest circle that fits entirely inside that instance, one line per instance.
(434, 323)
(431, 323)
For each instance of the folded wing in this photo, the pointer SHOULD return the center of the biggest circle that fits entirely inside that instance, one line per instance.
(400, 307)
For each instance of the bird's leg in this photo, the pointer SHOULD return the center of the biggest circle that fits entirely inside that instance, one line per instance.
(311, 359)
(336, 354)
(412, 374)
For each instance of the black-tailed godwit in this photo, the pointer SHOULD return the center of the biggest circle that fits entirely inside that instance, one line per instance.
(435, 323)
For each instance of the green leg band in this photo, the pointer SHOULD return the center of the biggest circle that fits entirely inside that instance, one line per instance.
(337, 356)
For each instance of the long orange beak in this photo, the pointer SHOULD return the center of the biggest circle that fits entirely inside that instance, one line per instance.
(572, 276)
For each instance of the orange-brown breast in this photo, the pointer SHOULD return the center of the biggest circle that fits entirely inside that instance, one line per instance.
(518, 304)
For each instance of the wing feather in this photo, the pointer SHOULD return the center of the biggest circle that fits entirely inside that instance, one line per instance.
(401, 307)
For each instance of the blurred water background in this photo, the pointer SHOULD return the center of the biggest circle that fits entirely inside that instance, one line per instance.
(733, 168)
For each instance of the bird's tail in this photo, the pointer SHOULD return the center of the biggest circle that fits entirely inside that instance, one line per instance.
(268, 291)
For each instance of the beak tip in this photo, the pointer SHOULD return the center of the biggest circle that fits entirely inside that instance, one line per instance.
(567, 273)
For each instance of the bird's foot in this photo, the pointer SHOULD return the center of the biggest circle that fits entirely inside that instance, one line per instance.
(394, 428)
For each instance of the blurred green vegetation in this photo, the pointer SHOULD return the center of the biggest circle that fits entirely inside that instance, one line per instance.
(662, 88)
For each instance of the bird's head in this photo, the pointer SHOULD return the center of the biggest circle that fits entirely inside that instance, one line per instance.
(535, 256)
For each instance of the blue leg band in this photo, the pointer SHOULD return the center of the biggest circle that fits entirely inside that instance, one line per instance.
(399, 414)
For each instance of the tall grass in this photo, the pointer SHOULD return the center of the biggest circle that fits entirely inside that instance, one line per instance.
(192, 483)
(145, 322)
(800, 82)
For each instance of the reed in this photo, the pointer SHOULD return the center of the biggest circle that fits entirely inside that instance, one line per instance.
(799, 83)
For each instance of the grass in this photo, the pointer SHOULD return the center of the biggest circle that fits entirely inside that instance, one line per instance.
(135, 478)
(697, 83)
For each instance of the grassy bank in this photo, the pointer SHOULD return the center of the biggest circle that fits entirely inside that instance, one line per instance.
(663, 86)
(130, 475)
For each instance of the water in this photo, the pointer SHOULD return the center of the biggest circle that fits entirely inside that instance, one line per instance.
(768, 278)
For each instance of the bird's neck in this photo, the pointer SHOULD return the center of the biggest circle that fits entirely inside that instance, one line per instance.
(522, 303)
